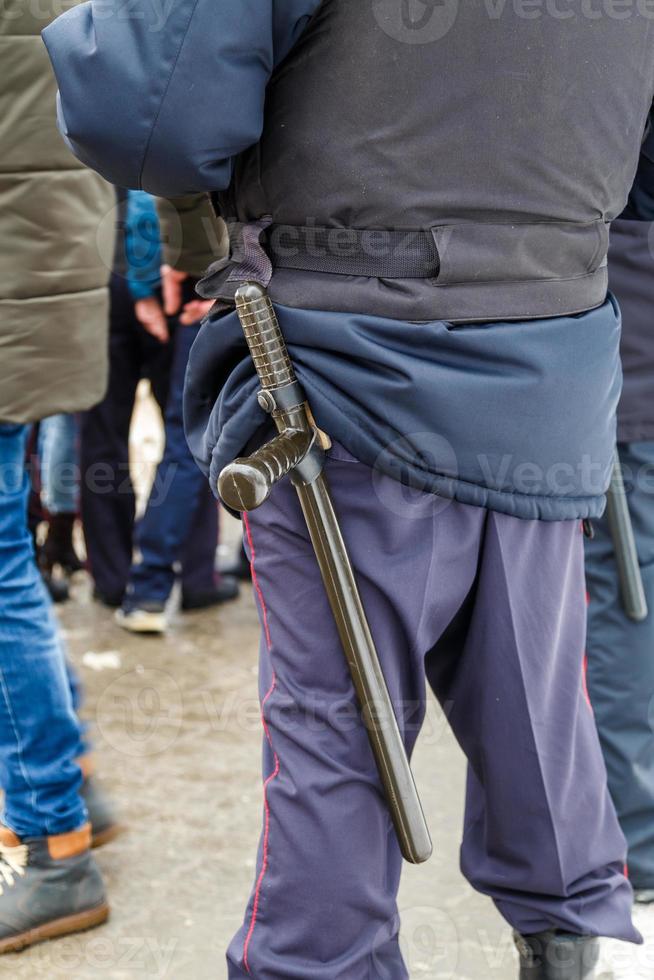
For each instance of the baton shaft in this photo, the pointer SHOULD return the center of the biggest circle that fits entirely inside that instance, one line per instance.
(369, 682)
(624, 544)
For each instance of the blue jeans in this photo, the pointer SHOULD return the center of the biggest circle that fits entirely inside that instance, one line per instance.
(59, 466)
(181, 508)
(40, 736)
(621, 667)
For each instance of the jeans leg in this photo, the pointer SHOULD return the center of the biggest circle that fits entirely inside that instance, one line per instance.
(39, 733)
(621, 667)
(59, 466)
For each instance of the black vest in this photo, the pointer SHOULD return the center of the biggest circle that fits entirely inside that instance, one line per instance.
(456, 160)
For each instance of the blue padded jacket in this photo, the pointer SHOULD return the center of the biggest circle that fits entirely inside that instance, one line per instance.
(516, 416)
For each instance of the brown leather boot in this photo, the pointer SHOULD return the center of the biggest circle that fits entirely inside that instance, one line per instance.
(49, 887)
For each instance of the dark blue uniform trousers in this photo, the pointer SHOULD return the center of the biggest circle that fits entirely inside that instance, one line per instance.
(491, 611)
(621, 667)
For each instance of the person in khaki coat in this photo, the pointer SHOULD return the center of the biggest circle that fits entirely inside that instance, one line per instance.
(54, 269)
(56, 233)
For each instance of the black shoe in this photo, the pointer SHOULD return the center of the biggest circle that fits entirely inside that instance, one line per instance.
(49, 886)
(557, 956)
(110, 601)
(238, 567)
(225, 590)
(102, 817)
(58, 548)
(57, 587)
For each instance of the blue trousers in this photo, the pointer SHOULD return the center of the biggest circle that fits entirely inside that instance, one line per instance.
(40, 736)
(621, 667)
(491, 612)
(181, 516)
(59, 465)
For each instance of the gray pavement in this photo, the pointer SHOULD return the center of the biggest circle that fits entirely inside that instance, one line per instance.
(177, 729)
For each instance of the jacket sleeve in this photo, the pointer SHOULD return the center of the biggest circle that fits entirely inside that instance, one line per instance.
(142, 245)
(192, 237)
(162, 94)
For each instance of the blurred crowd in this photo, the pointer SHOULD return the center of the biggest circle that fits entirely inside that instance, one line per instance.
(79, 463)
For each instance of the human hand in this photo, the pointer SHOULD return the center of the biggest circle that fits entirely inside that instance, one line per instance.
(171, 287)
(151, 317)
(195, 310)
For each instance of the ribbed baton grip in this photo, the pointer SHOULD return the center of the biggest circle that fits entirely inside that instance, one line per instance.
(263, 336)
(247, 482)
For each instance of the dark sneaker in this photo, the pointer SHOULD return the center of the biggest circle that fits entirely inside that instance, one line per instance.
(226, 589)
(102, 816)
(58, 548)
(49, 886)
(557, 956)
(144, 617)
(57, 587)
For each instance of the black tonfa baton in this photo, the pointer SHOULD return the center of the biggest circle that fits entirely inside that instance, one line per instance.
(624, 544)
(299, 450)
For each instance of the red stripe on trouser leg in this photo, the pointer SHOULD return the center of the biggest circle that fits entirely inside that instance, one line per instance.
(275, 772)
(584, 681)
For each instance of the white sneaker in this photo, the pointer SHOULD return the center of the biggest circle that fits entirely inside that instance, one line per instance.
(142, 619)
(624, 961)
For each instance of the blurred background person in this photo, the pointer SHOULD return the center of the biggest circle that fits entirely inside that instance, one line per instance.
(179, 530)
(53, 321)
(53, 461)
(137, 350)
(621, 652)
(53, 467)
(59, 466)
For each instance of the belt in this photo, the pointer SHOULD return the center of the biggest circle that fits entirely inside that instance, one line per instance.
(379, 253)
